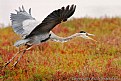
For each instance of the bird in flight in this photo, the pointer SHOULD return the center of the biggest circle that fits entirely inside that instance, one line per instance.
(34, 33)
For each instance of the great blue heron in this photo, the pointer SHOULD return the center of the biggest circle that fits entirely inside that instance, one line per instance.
(33, 32)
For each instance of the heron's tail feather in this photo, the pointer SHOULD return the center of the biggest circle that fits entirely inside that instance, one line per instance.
(21, 42)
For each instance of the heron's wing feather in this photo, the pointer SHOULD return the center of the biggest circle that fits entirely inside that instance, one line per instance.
(28, 26)
(53, 19)
(18, 19)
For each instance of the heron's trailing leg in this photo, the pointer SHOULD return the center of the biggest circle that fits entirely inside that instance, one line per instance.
(13, 58)
(28, 47)
(19, 58)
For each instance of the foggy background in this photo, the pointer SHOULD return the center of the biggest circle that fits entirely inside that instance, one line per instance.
(41, 8)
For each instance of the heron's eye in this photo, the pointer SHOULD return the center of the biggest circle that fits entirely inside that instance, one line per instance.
(82, 32)
(49, 35)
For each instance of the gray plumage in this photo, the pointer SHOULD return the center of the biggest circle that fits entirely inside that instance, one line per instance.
(18, 19)
(34, 32)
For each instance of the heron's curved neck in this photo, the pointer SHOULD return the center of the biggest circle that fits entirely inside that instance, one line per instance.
(56, 38)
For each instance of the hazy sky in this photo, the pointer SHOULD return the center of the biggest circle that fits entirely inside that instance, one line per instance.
(41, 8)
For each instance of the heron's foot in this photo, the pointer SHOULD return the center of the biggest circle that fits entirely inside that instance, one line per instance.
(14, 65)
(6, 64)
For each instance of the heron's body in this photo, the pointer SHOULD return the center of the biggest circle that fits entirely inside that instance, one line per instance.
(36, 39)
(33, 32)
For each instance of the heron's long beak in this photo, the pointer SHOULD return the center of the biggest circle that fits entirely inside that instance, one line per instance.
(86, 36)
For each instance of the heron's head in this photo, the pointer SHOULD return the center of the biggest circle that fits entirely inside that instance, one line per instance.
(86, 35)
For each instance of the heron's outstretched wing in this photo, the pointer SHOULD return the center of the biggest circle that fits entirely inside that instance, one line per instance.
(53, 19)
(20, 20)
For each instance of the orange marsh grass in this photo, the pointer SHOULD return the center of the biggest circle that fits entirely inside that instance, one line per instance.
(78, 58)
